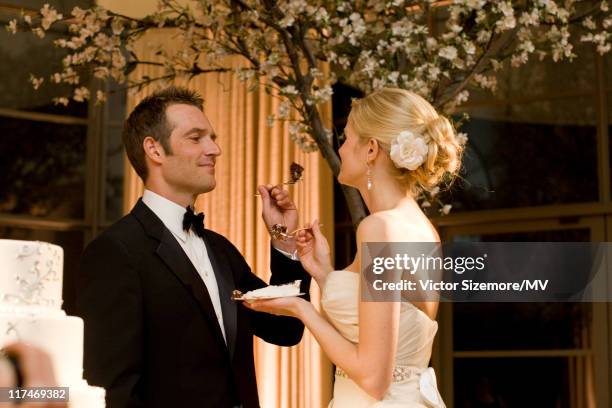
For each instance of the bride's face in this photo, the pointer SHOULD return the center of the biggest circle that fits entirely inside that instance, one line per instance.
(353, 155)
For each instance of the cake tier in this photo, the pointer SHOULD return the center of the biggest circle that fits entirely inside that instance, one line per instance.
(59, 335)
(85, 396)
(31, 273)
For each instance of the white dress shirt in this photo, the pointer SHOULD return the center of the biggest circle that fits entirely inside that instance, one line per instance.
(171, 214)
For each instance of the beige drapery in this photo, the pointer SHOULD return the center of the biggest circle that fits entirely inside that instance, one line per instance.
(253, 154)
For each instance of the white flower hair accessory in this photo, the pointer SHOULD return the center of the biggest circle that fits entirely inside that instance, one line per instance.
(408, 150)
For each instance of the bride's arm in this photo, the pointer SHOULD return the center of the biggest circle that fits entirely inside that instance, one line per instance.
(370, 362)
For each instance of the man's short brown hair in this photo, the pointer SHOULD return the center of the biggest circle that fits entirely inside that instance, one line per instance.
(149, 119)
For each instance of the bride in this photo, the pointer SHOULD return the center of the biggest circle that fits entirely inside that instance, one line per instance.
(396, 146)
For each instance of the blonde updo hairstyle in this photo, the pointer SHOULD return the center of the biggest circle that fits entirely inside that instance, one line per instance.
(385, 113)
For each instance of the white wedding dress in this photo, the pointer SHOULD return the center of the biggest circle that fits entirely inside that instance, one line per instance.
(414, 383)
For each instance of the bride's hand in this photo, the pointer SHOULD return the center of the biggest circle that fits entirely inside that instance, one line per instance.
(292, 306)
(314, 252)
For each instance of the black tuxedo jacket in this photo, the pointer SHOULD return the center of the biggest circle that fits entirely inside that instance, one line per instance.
(152, 338)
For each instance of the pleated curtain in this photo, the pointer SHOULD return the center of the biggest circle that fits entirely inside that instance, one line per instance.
(252, 154)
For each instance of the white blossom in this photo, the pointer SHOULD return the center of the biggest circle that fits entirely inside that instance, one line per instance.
(433, 72)
(245, 74)
(519, 59)
(469, 48)
(322, 16)
(356, 29)
(49, 16)
(603, 48)
(323, 94)
(527, 46)
(329, 135)
(69, 76)
(103, 42)
(78, 13)
(100, 96)
(36, 82)
(369, 45)
(446, 209)
(496, 64)
(462, 97)
(401, 27)
(393, 77)
(455, 28)
(448, 52)
(118, 60)
(294, 127)
(289, 90)
(12, 26)
(530, 19)
(81, 94)
(486, 82)
(291, 10)
(101, 72)
(589, 23)
(481, 17)
(287, 21)
(61, 101)
(508, 21)
(283, 110)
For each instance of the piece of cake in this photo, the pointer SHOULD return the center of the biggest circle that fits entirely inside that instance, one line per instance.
(270, 292)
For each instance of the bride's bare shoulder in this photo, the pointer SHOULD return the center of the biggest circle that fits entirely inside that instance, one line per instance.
(391, 226)
(373, 228)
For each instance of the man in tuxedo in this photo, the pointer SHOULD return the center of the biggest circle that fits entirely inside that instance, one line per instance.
(155, 288)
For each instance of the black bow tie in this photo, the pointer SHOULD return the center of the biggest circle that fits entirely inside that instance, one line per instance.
(195, 221)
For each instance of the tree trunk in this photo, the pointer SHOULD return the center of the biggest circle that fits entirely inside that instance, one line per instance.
(355, 204)
(351, 195)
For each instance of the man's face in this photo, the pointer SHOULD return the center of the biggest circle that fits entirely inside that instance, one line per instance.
(191, 166)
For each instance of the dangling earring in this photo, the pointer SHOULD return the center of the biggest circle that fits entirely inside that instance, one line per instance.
(369, 174)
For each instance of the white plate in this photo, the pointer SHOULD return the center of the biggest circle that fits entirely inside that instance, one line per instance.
(268, 297)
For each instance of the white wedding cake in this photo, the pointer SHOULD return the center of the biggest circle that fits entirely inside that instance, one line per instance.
(30, 311)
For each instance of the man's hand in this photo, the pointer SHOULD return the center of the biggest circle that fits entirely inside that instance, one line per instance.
(278, 208)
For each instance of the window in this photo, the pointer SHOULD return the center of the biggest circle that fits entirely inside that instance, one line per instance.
(526, 154)
(535, 141)
(61, 168)
(536, 157)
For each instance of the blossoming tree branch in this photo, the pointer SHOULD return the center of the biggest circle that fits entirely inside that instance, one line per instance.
(287, 45)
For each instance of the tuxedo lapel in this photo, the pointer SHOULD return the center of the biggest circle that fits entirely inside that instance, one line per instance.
(225, 282)
(178, 262)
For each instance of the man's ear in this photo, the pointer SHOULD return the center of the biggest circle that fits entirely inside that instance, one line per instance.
(153, 150)
(373, 149)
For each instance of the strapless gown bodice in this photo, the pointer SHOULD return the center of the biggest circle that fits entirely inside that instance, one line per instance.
(416, 387)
